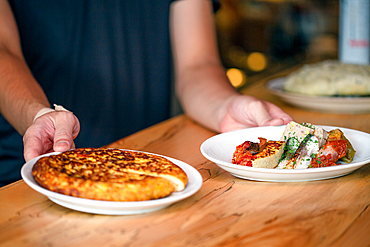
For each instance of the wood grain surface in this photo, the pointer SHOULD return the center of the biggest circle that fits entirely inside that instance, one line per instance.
(226, 211)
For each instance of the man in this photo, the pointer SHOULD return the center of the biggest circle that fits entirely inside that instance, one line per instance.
(110, 63)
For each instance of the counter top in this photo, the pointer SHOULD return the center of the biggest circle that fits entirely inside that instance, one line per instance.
(226, 211)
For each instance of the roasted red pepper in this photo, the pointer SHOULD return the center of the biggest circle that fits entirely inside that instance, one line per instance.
(330, 153)
(245, 151)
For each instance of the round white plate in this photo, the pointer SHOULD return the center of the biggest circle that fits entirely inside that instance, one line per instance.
(220, 148)
(116, 208)
(349, 105)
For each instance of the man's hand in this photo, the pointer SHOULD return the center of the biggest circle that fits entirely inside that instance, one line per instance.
(51, 132)
(244, 111)
(201, 83)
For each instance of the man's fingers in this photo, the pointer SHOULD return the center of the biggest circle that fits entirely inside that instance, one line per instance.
(32, 149)
(247, 111)
(66, 129)
(34, 144)
(259, 113)
(279, 116)
(52, 132)
(62, 144)
(275, 122)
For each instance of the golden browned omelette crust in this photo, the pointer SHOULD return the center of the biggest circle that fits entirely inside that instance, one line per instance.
(109, 174)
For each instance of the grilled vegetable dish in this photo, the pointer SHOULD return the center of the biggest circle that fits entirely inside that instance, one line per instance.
(301, 146)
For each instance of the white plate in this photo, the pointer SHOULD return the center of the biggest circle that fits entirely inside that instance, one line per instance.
(220, 148)
(349, 105)
(116, 208)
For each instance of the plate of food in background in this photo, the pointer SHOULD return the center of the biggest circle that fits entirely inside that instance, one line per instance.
(328, 86)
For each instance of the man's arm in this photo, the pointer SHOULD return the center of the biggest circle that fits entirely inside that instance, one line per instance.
(21, 97)
(201, 82)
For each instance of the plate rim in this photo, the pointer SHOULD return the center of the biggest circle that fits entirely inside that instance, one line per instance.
(195, 182)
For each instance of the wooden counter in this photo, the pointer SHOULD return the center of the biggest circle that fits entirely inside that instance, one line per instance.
(226, 211)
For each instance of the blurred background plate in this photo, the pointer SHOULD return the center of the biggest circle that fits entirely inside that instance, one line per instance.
(348, 105)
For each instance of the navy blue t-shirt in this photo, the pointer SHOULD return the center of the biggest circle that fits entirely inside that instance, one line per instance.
(107, 61)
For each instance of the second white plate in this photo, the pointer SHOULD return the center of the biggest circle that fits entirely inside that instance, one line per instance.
(349, 105)
(220, 148)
